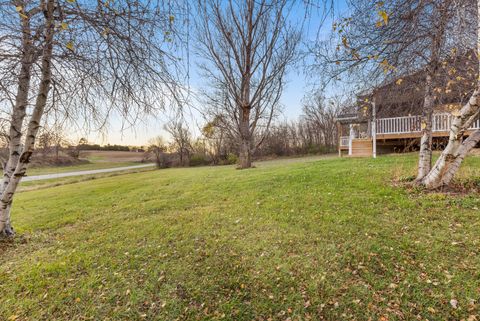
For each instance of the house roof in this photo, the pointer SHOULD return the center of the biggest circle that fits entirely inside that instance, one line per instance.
(404, 95)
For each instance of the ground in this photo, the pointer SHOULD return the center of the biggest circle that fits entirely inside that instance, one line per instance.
(333, 239)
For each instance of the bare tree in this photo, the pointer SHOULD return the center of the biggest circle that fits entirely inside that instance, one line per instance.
(321, 113)
(158, 147)
(247, 46)
(51, 140)
(216, 140)
(82, 60)
(181, 140)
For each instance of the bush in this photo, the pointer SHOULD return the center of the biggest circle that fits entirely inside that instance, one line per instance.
(199, 160)
(232, 159)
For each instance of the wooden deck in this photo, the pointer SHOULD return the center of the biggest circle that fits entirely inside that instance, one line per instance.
(397, 129)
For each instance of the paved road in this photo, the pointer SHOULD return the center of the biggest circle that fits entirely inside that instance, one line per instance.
(79, 173)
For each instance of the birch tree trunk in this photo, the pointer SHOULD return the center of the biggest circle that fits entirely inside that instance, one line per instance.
(452, 156)
(425, 156)
(19, 159)
(457, 148)
(16, 122)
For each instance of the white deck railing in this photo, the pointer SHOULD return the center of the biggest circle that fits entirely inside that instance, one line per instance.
(413, 124)
(344, 141)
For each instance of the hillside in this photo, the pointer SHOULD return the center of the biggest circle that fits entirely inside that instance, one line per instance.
(301, 239)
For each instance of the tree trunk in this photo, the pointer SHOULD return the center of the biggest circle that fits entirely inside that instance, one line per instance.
(245, 159)
(16, 123)
(425, 156)
(23, 159)
(452, 156)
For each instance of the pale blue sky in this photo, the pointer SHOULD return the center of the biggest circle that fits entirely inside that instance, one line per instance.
(298, 85)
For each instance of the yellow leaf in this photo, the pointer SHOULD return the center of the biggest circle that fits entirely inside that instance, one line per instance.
(78, 300)
(384, 15)
(64, 25)
(424, 125)
(70, 45)
(456, 113)
(71, 1)
(171, 18)
(399, 81)
(13, 317)
(379, 24)
(345, 41)
(19, 8)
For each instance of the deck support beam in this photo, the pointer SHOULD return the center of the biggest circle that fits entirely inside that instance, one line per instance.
(350, 140)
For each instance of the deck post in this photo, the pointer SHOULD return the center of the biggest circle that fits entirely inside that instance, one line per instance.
(374, 130)
(350, 140)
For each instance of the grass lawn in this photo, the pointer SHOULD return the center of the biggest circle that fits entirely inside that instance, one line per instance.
(289, 240)
(73, 168)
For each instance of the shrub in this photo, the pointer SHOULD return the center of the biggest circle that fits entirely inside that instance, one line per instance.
(232, 159)
(199, 160)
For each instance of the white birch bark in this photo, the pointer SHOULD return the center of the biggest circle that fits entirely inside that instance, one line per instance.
(452, 156)
(425, 155)
(20, 157)
(17, 119)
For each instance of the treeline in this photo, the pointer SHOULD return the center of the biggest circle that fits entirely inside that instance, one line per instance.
(107, 147)
(313, 133)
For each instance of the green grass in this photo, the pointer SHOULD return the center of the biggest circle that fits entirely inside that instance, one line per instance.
(73, 168)
(324, 239)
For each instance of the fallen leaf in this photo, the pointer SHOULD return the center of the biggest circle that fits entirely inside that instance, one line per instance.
(454, 303)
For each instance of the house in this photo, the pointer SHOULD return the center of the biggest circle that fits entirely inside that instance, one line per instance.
(388, 119)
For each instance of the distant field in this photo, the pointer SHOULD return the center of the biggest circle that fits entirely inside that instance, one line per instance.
(111, 156)
(96, 160)
(303, 239)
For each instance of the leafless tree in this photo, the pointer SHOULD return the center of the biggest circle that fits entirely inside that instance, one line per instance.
(82, 60)
(216, 140)
(51, 140)
(181, 140)
(247, 46)
(158, 147)
(321, 113)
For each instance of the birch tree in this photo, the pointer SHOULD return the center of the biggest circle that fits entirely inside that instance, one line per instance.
(384, 42)
(458, 146)
(83, 60)
(247, 46)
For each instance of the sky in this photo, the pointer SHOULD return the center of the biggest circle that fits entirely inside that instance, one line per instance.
(298, 84)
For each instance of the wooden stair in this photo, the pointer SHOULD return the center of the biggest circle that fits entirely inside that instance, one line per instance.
(362, 148)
